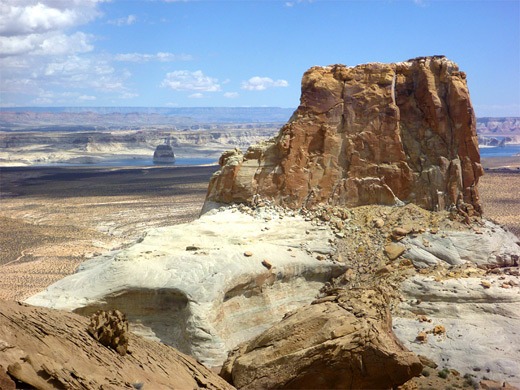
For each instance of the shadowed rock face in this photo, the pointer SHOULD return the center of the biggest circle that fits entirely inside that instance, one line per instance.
(374, 133)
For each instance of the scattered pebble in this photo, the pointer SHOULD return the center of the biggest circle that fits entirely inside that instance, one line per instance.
(422, 337)
(485, 284)
(267, 264)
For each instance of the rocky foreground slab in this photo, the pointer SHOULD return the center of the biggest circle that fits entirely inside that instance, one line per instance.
(51, 349)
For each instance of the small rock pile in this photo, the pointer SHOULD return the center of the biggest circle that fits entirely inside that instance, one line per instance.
(110, 329)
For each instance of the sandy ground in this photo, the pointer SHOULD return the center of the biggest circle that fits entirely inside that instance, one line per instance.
(500, 193)
(52, 219)
(509, 163)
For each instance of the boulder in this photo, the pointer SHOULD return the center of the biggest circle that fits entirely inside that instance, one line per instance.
(373, 133)
(393, 251)
(347, 343)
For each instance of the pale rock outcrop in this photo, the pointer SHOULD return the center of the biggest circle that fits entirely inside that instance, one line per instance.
(481, 323)
(370, 134)
(492, 246)
(163, 154)
(51, 349)
(340, 342)
(192, 286)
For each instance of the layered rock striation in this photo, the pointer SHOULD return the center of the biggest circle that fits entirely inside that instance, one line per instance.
(370, 134)
(51, 349)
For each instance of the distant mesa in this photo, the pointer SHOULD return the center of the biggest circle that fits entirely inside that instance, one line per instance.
(164, 154)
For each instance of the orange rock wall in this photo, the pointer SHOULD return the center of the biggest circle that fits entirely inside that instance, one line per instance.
(373, 133)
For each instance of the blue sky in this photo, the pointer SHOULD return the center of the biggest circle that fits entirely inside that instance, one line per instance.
(242, 53)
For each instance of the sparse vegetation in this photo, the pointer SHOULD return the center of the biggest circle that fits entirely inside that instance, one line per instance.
(425, 372)
(444, 373)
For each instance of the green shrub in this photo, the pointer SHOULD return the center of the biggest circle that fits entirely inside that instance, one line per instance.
(425, 372)
(444, 373)
(469, 380)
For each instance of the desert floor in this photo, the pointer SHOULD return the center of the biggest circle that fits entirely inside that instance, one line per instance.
(52, 219)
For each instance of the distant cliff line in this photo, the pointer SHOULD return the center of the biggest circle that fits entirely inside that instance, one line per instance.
(184, 116)
(148, 115)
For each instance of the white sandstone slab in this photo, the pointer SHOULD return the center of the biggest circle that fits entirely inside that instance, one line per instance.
(494, 246)
(204, 301)
(482, 325)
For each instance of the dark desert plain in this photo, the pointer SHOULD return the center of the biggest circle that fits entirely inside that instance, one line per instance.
(54, 218)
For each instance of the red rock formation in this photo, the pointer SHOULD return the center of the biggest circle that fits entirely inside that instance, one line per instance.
(374, 133)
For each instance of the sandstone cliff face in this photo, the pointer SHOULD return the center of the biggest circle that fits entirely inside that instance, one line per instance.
(374, 133)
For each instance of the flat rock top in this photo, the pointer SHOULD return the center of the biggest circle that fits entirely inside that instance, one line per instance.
(51, 349)
(199, 259)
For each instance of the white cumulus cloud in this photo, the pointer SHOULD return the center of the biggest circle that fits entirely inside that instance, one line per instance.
(38, 27)
(42, 51)
(23, 17)
(231, 95)
(196, 95)
(185, 80)
(53, 43)
(261, 83)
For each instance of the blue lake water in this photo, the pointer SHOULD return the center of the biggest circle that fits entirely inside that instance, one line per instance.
(137, 162)
(506, 151)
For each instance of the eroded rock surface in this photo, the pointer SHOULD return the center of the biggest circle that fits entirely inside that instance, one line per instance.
(481, 317)
(343, 341)
(51, 349)
(110, 329)
(370, 134)
(489, 245)
(203, 287)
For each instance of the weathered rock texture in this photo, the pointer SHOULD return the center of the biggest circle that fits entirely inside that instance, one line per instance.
(341, 342)
(110, 328)
(374, 133)
(493, 246)
(481, 316)
(51, 349)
